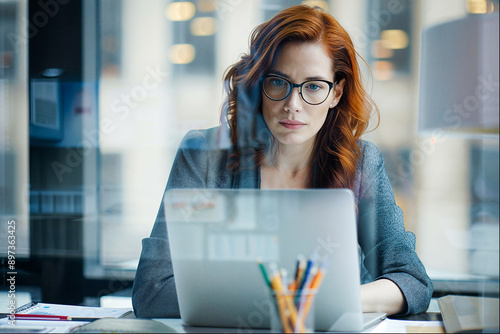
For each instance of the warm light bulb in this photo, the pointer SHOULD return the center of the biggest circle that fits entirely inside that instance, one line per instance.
(394, 39)
(182, 53)
(316, 3)
(180, 11)
(203, 26)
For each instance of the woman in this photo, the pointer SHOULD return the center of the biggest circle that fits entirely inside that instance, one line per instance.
(295, 112)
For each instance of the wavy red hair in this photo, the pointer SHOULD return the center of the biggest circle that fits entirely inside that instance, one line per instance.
(336, 150)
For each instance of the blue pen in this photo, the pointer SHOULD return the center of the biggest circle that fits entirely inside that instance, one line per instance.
(300, 260)
(306, 274)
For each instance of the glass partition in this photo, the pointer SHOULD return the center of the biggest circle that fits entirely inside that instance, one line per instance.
(161, 75)
(14, 186)
(148, 72)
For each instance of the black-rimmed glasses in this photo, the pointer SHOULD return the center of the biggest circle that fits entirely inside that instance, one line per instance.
(312, 92)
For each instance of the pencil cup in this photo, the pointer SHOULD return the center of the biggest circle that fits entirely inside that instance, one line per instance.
(293, 311)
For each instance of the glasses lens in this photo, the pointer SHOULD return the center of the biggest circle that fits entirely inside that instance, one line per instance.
(276, 88)
(315, 92)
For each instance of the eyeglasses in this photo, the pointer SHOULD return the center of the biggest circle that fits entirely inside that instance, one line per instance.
(312, 92)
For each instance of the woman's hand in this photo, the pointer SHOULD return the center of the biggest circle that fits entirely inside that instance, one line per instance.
(382, 296)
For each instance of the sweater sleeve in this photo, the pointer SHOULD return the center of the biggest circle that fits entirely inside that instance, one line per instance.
(389, 250)
(154, 294)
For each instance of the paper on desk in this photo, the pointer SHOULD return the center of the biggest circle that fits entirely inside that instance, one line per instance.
(408, 326)
(76, 311)
(36, 326)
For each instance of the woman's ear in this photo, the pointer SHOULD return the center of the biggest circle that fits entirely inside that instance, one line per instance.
(338, 90)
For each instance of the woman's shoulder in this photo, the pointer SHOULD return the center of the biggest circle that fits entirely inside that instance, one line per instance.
(205, 139)
(370, 156)
(370, 165)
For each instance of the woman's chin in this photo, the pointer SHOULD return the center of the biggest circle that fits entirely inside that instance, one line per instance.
(293, 140)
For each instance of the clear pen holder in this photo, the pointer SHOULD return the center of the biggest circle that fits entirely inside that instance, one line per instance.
(293, 312)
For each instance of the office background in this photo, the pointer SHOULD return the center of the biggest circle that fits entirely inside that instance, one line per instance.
(96, 95)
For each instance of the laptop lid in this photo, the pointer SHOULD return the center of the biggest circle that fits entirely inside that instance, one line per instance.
(216, 237)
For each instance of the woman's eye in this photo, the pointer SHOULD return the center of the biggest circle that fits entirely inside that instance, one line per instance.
(278, 82)
(313, 87)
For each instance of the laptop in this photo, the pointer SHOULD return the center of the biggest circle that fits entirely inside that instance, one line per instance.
(216, 237)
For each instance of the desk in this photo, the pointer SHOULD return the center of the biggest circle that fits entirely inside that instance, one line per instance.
(386, 326)
(429, 322)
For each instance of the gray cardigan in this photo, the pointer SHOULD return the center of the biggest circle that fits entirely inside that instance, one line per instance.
(386, 249)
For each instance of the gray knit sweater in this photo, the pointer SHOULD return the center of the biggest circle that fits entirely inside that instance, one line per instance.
(386, 249)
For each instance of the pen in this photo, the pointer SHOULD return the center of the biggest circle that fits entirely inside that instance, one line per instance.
(315, 283)
(301, 266)
(50, 317)
(264, 273)
(300, 260)
(305, 276)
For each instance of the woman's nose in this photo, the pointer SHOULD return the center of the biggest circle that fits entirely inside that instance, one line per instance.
(293, 102)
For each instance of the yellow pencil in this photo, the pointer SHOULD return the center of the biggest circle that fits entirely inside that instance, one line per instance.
(278, 291)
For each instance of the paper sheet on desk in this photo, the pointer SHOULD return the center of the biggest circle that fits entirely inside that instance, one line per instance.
(35, 326)
(408, 326)
(75, 311)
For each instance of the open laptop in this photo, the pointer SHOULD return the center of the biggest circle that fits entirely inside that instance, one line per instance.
(216, 237)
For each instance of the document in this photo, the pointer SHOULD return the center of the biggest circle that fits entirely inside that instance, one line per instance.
(408, 326)
(73, 311)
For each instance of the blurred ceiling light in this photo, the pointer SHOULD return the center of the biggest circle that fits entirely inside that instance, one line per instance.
(378, 50)
(52, 72)
(479, 6)
(180, 11)
(383, 70)
(206, 6)
(182, 53)
(203, 26)
(394, 39)
(316, 3)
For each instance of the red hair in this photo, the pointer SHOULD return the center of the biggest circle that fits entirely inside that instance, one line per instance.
(336, 151)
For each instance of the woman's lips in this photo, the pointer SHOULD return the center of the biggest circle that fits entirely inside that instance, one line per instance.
(292, 124)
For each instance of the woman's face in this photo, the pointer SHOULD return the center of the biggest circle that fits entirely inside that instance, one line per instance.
(293, 121)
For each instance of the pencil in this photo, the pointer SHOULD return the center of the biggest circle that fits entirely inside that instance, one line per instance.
(315, 283)
(277, 287)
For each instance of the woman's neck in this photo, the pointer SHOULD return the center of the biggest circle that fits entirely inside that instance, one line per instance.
(291, 159)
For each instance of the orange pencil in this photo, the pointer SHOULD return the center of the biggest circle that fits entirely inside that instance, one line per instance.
(315, 283)
(277, 287)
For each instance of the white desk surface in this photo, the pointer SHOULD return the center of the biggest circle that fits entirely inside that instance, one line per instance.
(386, 326)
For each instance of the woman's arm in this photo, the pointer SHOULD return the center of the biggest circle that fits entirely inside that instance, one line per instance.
(388, 249)
(154, 294)
(382, 296)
